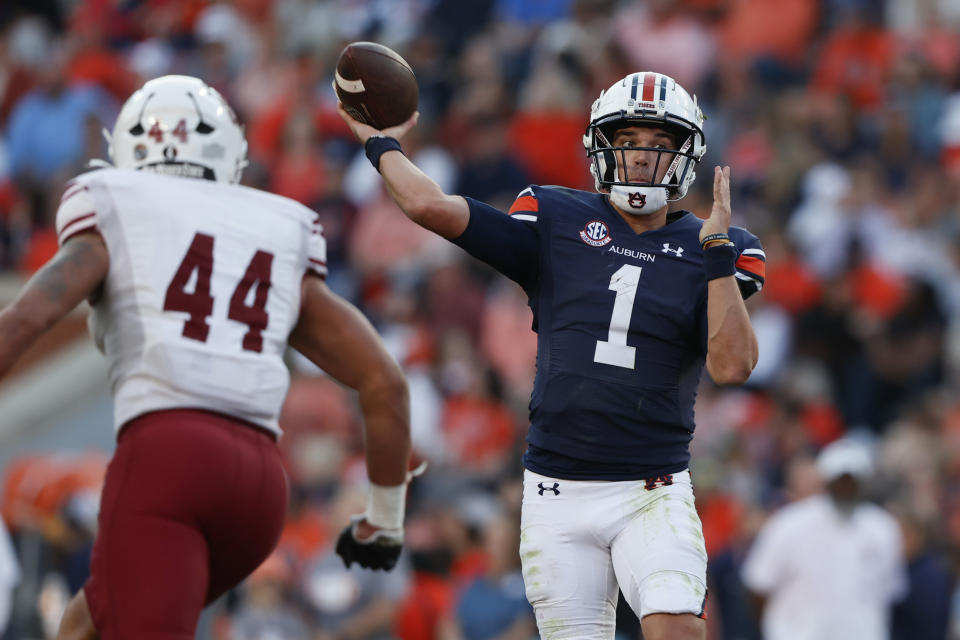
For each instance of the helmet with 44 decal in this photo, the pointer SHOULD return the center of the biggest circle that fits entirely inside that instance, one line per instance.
(178, 125)
(653, 100)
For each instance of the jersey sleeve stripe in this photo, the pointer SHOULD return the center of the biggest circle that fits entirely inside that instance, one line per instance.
(525, 203)
(319, 262)
(72, 191)
(77, 220)
(747, 275)
(754, 252)
(89, 226)
(754, 265)
(524, 216)
(749, 278)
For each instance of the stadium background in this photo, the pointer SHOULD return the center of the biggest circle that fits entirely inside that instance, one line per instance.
(840, 120)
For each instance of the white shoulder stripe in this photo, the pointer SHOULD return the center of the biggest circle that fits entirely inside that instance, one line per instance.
(753, 281)
(754, 252)
(524, 216)
(526, 192)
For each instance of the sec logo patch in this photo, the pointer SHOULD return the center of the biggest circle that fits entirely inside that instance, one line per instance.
(596, 234)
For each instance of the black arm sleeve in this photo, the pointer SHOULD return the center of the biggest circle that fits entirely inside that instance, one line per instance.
(508, 245)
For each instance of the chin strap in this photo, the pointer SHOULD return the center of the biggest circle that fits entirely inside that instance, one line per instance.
(672, 169)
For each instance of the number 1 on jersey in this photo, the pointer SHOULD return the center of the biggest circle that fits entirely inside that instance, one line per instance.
(614, 350)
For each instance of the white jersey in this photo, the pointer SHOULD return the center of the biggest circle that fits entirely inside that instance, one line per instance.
(202, 292)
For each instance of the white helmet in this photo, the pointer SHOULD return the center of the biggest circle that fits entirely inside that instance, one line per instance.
(178, 125)
(652, 99)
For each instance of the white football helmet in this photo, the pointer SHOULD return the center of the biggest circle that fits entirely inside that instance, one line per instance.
(646, 98)
(177, 125)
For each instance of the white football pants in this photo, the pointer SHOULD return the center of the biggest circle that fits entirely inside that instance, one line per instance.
(580, 540)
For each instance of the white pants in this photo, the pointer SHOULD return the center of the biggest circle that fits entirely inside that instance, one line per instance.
(580, 540)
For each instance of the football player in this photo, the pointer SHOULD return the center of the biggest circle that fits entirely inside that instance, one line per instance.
(629, 301)
(197, 286)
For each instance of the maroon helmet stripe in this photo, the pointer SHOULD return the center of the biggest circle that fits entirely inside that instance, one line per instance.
(648, 81)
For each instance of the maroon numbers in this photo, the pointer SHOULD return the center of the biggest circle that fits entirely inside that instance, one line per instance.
(180, 131)
(254, 316)
(199, 303)
(156, 132)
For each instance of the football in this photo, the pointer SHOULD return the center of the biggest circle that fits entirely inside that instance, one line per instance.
(375, 85)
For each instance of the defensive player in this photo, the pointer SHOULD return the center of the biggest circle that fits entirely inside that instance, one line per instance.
(629, 300)
(197, 286)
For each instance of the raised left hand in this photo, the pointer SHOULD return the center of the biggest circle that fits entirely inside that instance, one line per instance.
(719, 220)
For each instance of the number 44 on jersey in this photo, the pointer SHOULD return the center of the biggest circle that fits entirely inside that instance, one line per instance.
(199, 304)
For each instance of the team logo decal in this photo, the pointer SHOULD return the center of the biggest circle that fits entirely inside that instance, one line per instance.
(170, 152)
(637, 200)
(140, 152)
(596, 234)
(659, 481)
(668, 249)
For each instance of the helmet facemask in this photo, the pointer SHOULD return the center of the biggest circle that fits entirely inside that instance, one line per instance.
(610, 162)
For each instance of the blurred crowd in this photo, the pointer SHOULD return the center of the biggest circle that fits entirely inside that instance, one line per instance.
(841, 122)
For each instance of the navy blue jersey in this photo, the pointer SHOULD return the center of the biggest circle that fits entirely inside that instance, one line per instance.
(621, 320)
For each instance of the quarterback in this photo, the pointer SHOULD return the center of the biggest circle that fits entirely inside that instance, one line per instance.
(197, 286)
(630, 301)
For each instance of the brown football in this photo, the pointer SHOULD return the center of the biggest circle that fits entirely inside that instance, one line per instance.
(375, 85)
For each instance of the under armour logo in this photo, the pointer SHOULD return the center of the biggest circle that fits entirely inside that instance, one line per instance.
(637, 200)
(667, 249)
(555, 488)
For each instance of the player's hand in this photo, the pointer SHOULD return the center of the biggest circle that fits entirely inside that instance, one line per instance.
(369, 546)
(719, 220)
(364, 131)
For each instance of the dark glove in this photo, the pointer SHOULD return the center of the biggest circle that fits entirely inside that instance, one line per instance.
(379, 551)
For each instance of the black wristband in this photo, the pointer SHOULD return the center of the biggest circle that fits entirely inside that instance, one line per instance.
(376, 146)
(719, 261)
(714, 236)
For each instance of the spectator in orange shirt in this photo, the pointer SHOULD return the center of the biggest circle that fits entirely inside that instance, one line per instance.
(856, 61)
(479, 429)
(754, 29)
